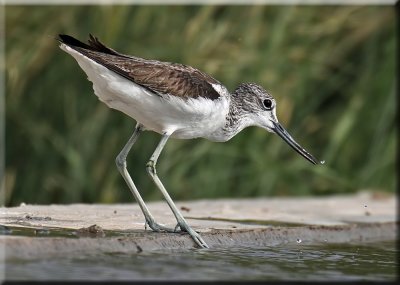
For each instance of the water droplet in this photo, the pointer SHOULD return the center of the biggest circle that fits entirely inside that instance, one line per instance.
(298, 240)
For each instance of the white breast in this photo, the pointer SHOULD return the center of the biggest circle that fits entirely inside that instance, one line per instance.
(182, 118)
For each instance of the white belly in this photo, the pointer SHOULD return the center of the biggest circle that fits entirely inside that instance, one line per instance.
(181, 118)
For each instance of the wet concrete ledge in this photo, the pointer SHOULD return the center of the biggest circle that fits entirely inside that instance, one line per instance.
(35, 230)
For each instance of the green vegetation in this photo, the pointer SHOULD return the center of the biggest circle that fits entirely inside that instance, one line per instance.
(331, 69)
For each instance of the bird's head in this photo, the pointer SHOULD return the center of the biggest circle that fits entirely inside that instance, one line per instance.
(259, 108)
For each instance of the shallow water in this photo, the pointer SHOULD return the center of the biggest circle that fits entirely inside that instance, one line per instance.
(327, 262)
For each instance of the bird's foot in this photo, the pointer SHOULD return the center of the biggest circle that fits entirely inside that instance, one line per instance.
(195, 236)
(183, 227)
(157, 227)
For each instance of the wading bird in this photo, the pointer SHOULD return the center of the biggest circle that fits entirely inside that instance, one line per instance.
(173, 100)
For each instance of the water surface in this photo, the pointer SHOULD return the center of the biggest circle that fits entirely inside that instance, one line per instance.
(341, 262)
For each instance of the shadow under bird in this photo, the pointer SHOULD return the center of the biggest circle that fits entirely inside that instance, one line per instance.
(176, 101)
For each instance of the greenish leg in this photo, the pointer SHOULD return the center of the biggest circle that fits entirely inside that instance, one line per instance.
(151, 169)
(122, 167)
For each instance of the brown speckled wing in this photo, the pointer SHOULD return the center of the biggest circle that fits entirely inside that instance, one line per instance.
(159, 77)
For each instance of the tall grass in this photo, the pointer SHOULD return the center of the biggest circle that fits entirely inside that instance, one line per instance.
(330, 68)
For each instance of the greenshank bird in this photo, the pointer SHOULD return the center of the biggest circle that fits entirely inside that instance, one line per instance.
(175, 101)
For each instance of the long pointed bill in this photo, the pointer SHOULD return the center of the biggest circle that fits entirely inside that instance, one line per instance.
(280, 131)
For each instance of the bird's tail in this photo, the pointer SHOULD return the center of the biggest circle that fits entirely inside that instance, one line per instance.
(93, 44)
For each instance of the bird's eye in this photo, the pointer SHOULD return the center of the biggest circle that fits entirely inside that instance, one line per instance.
(267, 104)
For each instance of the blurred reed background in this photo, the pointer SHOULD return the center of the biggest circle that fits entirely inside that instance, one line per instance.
(331, 69)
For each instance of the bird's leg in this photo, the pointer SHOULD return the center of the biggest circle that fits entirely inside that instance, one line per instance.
(122, 167)
(151, 169)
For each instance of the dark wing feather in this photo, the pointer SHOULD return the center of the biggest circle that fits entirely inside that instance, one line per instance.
(159, 77)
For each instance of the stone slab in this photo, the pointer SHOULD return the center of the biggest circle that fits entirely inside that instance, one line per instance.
(37, 230)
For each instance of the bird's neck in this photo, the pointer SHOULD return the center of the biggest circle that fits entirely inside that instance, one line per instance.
(237, 118)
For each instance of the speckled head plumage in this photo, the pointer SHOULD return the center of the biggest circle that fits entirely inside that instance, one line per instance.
(254, 106)
(252, 97)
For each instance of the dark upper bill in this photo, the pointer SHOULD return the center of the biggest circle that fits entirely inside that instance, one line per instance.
(280, 131)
